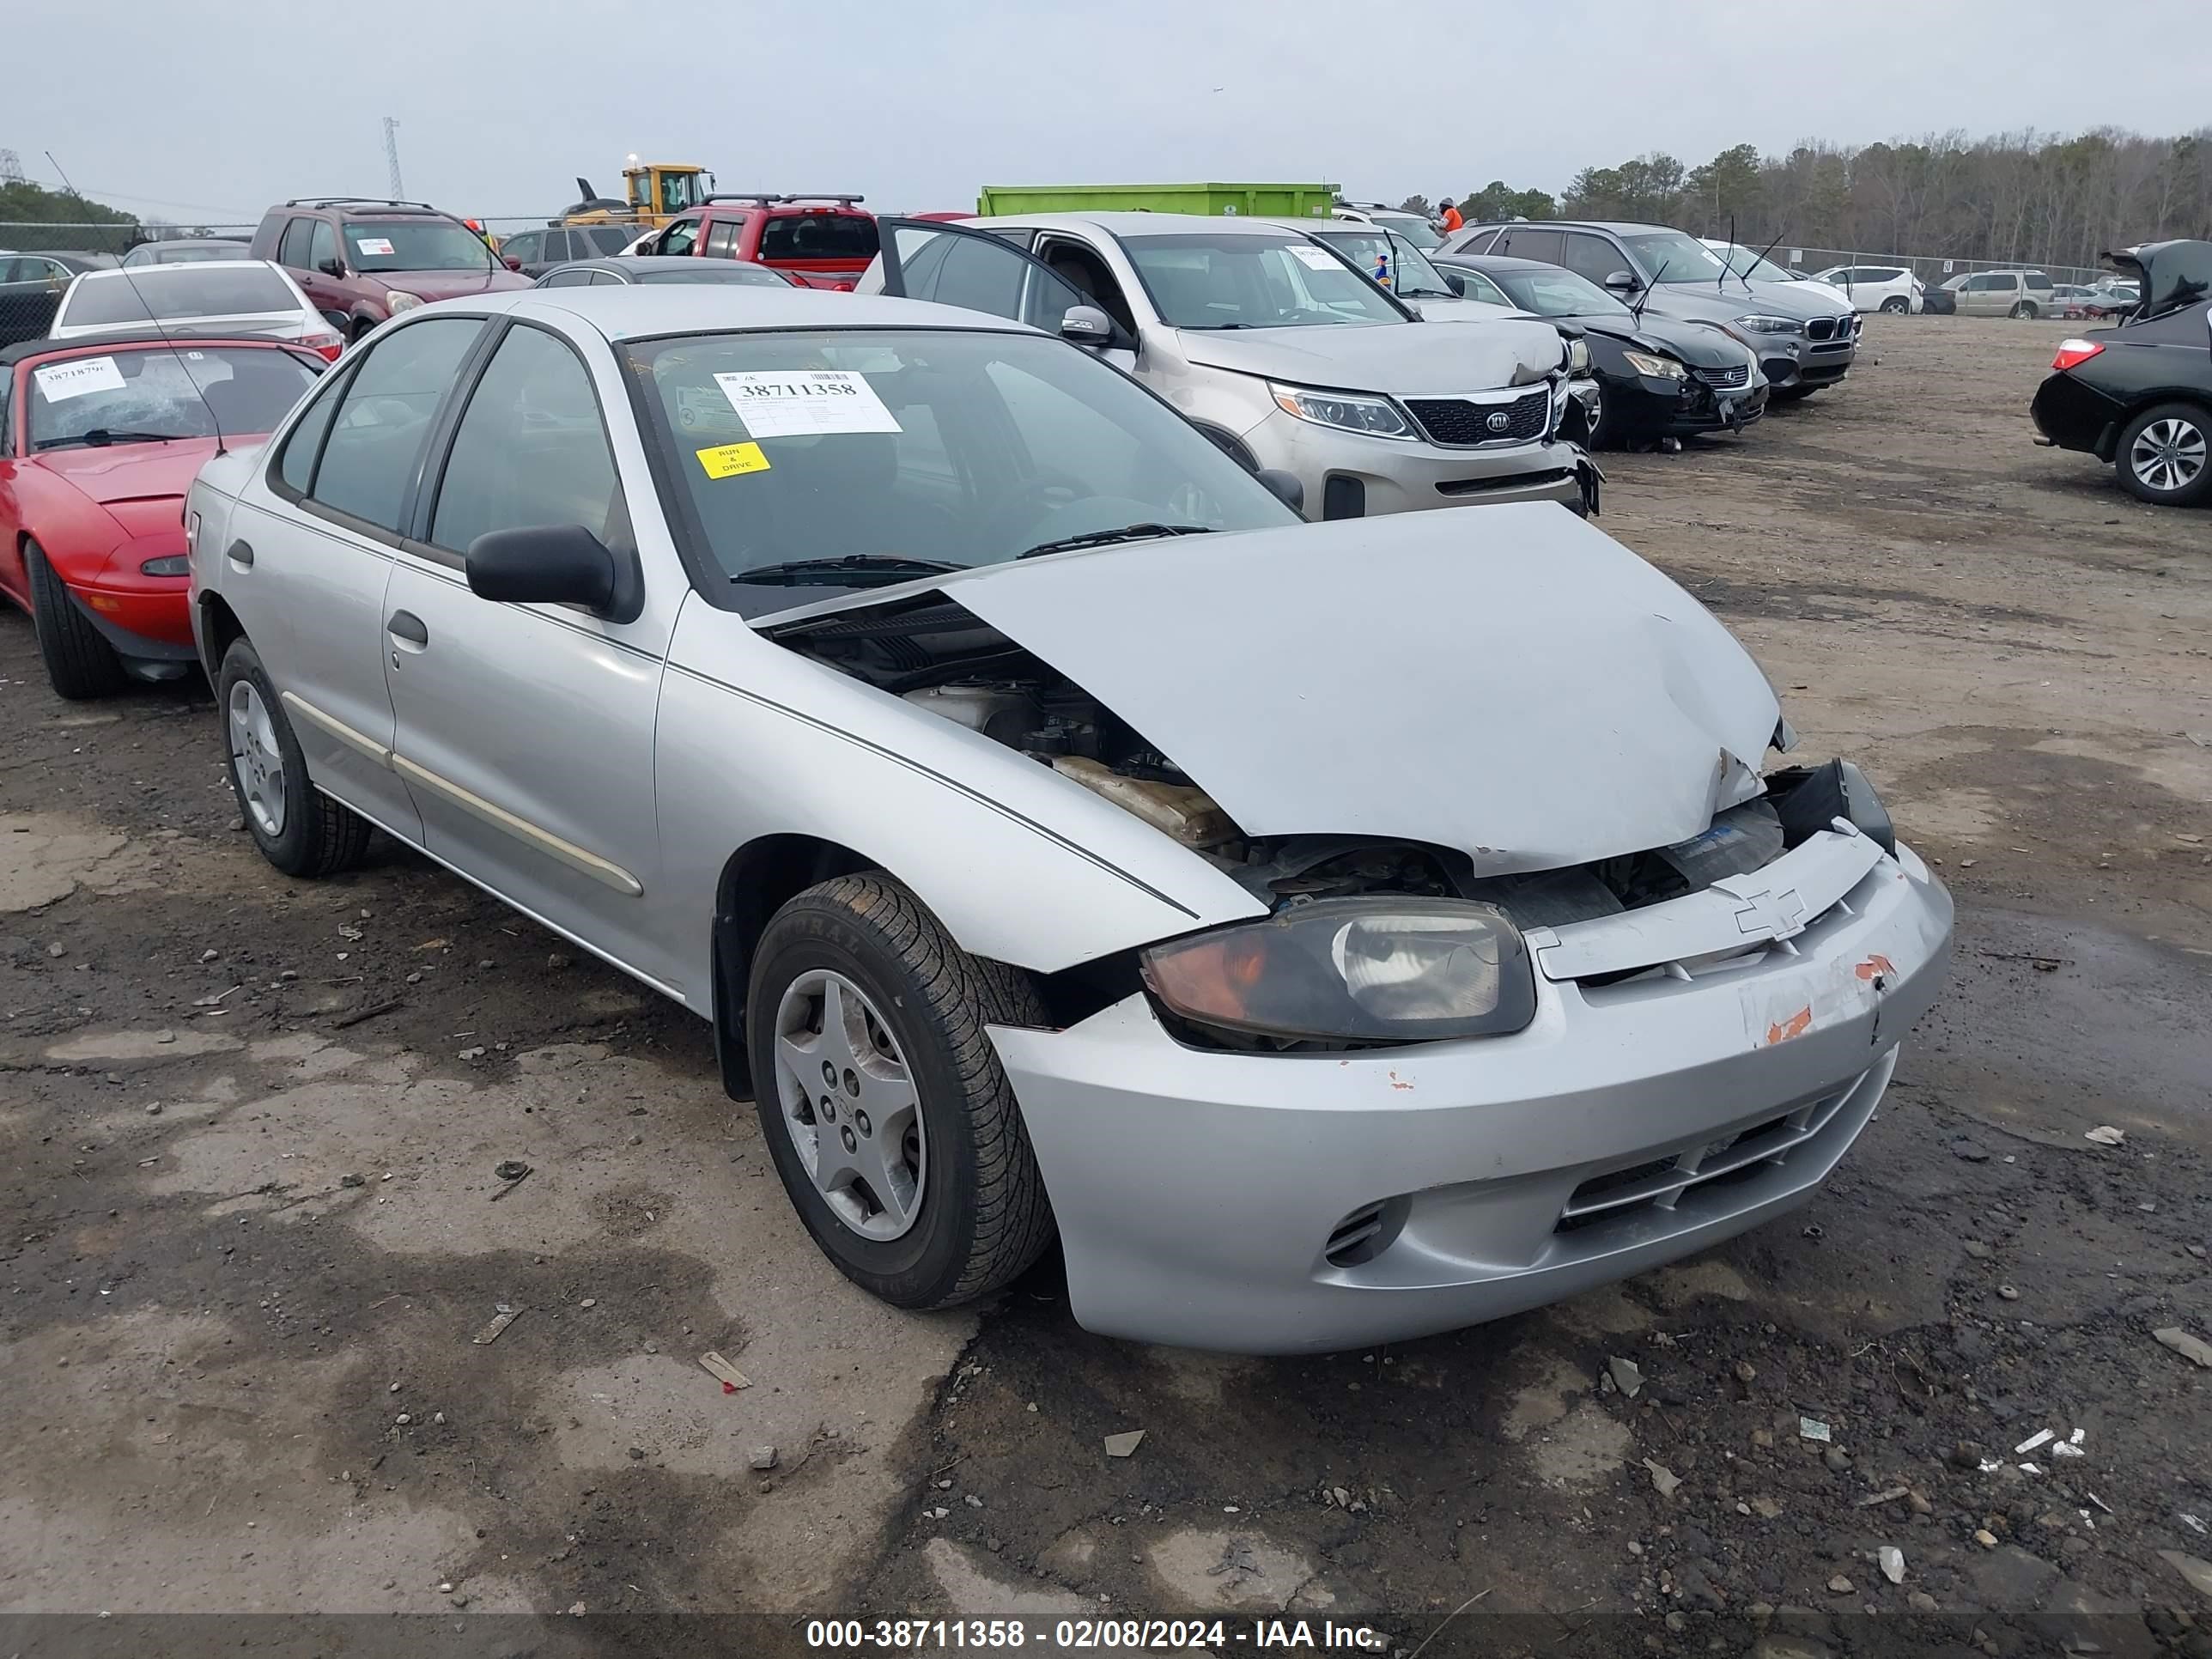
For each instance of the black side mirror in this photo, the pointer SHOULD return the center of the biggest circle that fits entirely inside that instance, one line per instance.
(332, 267)
(1623, 281)
(543, 564)
(1087, 326)
(1284, 486)
(1453, 280)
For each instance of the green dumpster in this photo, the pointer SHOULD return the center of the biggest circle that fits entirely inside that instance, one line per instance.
(1245, 201)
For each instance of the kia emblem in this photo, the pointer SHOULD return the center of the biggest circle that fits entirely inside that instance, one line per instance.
(1499, 421)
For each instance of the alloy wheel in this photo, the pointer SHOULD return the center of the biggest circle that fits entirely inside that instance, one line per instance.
(2167, 455)
(850, 1104)
(256, 759)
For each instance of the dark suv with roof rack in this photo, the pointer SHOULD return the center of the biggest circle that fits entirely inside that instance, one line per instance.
(362, 259)
(818, 241)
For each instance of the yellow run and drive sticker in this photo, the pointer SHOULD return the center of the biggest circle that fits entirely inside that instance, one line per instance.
(727, 460)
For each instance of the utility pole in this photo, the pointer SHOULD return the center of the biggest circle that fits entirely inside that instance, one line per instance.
(11, 168)
(391, 155)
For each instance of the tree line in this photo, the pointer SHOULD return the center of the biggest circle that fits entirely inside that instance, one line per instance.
(2026, 198)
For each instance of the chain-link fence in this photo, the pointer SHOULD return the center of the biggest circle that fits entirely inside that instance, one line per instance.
(39, 261)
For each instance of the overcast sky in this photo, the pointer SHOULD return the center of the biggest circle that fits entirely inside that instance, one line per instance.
(212, 109)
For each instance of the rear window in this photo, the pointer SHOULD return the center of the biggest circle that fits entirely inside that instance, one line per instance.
(703, 270)
(606, 238)
(804, 236)
(164, 292)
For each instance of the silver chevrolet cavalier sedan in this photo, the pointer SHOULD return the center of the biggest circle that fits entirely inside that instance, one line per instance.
(1332, 932)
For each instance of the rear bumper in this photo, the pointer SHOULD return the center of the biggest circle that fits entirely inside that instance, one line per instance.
(1198, 1193)
(2070, 413)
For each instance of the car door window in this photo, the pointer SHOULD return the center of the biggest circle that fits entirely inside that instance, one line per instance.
(1541, 246)
(981, 272)
(324, 248)
(531, 449)
(293, 249)
(376, 438)
(680, 237)
(303, 445)
(722, 238)
(1476, 286)
(1592, 256)
(570, 279)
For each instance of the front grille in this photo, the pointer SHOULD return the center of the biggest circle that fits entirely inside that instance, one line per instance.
(1724, 379)
(1461, 421)
(1821, 328)
(1511, 480)
(1662, 1182)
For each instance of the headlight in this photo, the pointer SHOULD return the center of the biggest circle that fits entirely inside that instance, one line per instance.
(1758, 324)
(399, 300)
(169, 564)
(1378, 417)
(1358, 970)
(1663, 369)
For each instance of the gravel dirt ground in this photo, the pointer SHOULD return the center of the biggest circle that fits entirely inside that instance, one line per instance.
(254, 1241)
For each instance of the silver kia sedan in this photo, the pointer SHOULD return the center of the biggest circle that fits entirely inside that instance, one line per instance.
(1331, 932)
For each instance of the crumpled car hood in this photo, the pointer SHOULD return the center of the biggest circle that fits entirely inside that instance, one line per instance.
(1402, 359)
(1506, 680)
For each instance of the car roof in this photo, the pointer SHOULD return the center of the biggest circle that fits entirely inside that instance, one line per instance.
(687, 264)
(128, 340)
(628, 312)
(1146, 224)
(192, 241)
(197, 265)
(1619, 227)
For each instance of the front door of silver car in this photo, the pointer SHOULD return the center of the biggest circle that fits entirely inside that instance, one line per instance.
(308, 584)
(519, 727)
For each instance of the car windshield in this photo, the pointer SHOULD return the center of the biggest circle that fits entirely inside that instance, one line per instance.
(1390, 259)
(414, 245)
(715, 270)
(1414, 228)
(802, 236)
(1552, 291)
(1748, 262)
(110, 299)
(845, 459)
(1684, 258)
(155, 392)
(1231, 279)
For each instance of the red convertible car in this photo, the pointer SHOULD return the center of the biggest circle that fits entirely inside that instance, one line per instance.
(99, 441)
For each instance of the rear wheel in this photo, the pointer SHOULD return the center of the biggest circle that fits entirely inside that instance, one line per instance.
(298, 829)
(2025, 308)
(1896, 304)
(892, 1124)
(80, 663)
(2166, 455)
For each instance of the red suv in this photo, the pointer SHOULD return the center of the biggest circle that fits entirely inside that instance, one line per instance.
(360, 260)
(818, 241)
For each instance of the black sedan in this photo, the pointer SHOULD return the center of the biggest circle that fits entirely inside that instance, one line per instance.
(1657, 377)
(2140, 396)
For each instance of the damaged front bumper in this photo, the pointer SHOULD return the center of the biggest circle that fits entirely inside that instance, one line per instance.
(1667, 1095)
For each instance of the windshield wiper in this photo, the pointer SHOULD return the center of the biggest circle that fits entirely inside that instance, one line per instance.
(1128, 533)
(852, 570)
(100, 436)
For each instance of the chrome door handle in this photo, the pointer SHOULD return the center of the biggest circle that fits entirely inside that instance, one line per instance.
(406, 625)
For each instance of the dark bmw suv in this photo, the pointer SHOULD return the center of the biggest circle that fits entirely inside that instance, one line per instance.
(1803, 340)
(360, 260)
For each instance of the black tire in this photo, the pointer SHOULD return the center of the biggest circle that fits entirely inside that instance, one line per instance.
(983, 1216)
(318, 836)
(1597, 433)
(1896, 304)
(2024, 311)
(362, 326)
(80, 663)
(2190, 419)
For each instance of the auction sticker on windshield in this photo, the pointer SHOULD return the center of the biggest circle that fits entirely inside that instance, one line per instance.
(800, 403)
(376, 245)
(1316, 259)
(62, 381)
(727, 460)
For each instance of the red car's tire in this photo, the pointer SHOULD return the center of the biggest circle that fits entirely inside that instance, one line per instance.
(80, 664)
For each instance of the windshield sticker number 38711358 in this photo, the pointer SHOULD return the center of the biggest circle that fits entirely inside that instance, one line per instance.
(800, 403)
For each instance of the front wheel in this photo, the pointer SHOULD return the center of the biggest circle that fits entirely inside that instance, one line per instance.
(80, 663)
(1596, 433)
(891, 1123)
(2163, 457)
(298, 829)
(1896, 304)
